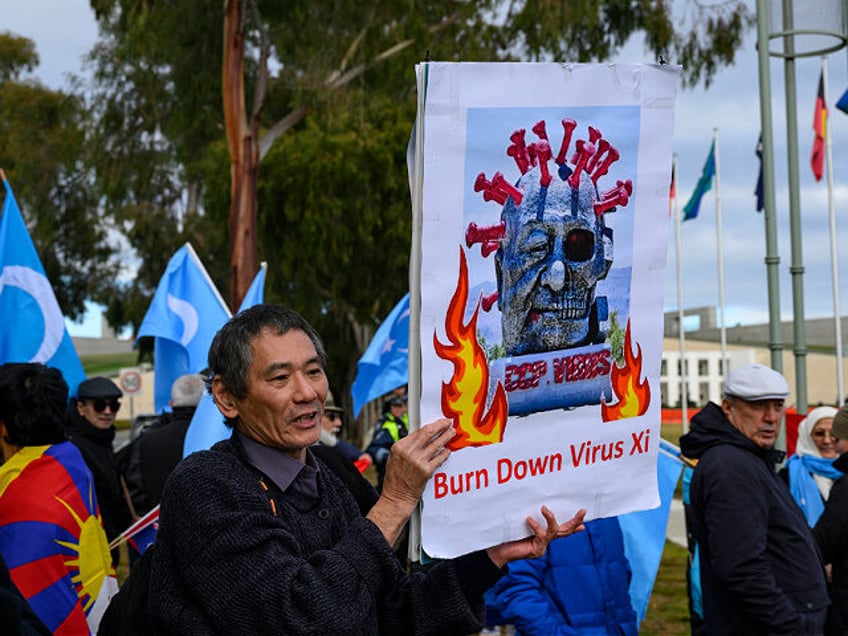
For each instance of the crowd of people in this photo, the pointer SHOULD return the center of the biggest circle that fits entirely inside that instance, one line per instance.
(276, 528)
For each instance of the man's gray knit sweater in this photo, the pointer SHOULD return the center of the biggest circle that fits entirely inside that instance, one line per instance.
(227, 561)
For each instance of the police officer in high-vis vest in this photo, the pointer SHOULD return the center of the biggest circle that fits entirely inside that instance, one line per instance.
(393, 425)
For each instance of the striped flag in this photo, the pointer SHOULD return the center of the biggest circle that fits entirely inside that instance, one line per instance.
(820, 128)
(690, 211)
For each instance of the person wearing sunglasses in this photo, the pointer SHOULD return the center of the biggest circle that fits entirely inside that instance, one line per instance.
(91, 427)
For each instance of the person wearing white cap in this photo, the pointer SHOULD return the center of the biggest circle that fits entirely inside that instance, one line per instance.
(760, 569)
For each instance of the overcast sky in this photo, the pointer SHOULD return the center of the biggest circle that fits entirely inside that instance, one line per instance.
(64, 30)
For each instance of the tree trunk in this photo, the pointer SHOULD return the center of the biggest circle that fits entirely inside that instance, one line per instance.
(244, 158)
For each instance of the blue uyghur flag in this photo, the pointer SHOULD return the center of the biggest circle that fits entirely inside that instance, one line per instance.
(33, 325)
(184, 316)
(644, 531)
(207, 424)
(385, 364)
(690, 210)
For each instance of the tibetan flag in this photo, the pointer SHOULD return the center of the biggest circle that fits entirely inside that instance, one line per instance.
(820, 128)
(52, 537)
(33, 325)
(690, 211)
(385, 364)
(207, 424)
(758, 191)
(185, 314)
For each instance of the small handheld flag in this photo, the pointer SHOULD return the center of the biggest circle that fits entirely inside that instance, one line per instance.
(692, 207)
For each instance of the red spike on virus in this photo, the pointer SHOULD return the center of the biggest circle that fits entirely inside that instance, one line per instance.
(541, 150)
(540, 130)
(611, 157)
(487, 302)
(518, 150)
(476, 234)
(585, 150)
(619, 195)
(568, 126)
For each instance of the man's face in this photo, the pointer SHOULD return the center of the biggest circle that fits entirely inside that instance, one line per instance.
(842, 446)
(100, 413)
(331, 421)
(547, 267)
(758, 420)
(286, 389)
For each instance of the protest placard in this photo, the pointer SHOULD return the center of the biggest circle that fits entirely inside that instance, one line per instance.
(544, 225)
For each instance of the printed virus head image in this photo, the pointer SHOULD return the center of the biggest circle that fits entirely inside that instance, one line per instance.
(552, 245)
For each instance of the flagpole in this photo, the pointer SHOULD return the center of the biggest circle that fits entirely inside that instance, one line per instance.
(415, 550)
(834, 251)
(208, 278)
(684, 389)
(720, 251)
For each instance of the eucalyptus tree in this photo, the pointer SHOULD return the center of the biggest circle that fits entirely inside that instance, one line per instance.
(278, 129)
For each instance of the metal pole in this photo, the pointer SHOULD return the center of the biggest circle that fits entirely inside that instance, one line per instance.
(414, 385)
(772, 260)
(720, 250)
(834, 251)
(797, 266)
(684, 388)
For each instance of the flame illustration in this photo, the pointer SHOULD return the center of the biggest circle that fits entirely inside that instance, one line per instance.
(464, 397)
(632, 391)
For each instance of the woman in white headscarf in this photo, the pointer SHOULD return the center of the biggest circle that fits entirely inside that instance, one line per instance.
(810, 469)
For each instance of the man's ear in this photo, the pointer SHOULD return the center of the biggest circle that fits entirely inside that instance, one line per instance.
(224, 399)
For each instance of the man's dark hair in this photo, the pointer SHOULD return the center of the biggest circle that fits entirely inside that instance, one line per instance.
(33, 401)
(230, 354)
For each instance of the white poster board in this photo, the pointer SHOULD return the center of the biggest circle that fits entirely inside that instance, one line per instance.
(545, 216)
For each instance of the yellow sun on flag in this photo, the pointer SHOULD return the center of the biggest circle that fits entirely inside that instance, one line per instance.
(93, 562)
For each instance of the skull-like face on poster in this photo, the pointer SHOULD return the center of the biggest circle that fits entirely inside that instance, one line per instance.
(554, 251)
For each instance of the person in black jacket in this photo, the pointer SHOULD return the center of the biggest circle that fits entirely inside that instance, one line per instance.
(91, 428)
(257, 535)
(154, 454)
(831, 531)
(761, 572)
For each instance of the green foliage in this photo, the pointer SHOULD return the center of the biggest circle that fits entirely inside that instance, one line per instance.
(668, 607)
(615, 338)
(45, 141)
(704, 37)
(17, 54)
(333, 215)
(494, 351)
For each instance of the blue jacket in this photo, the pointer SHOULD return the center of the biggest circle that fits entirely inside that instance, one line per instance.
(580, 586)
